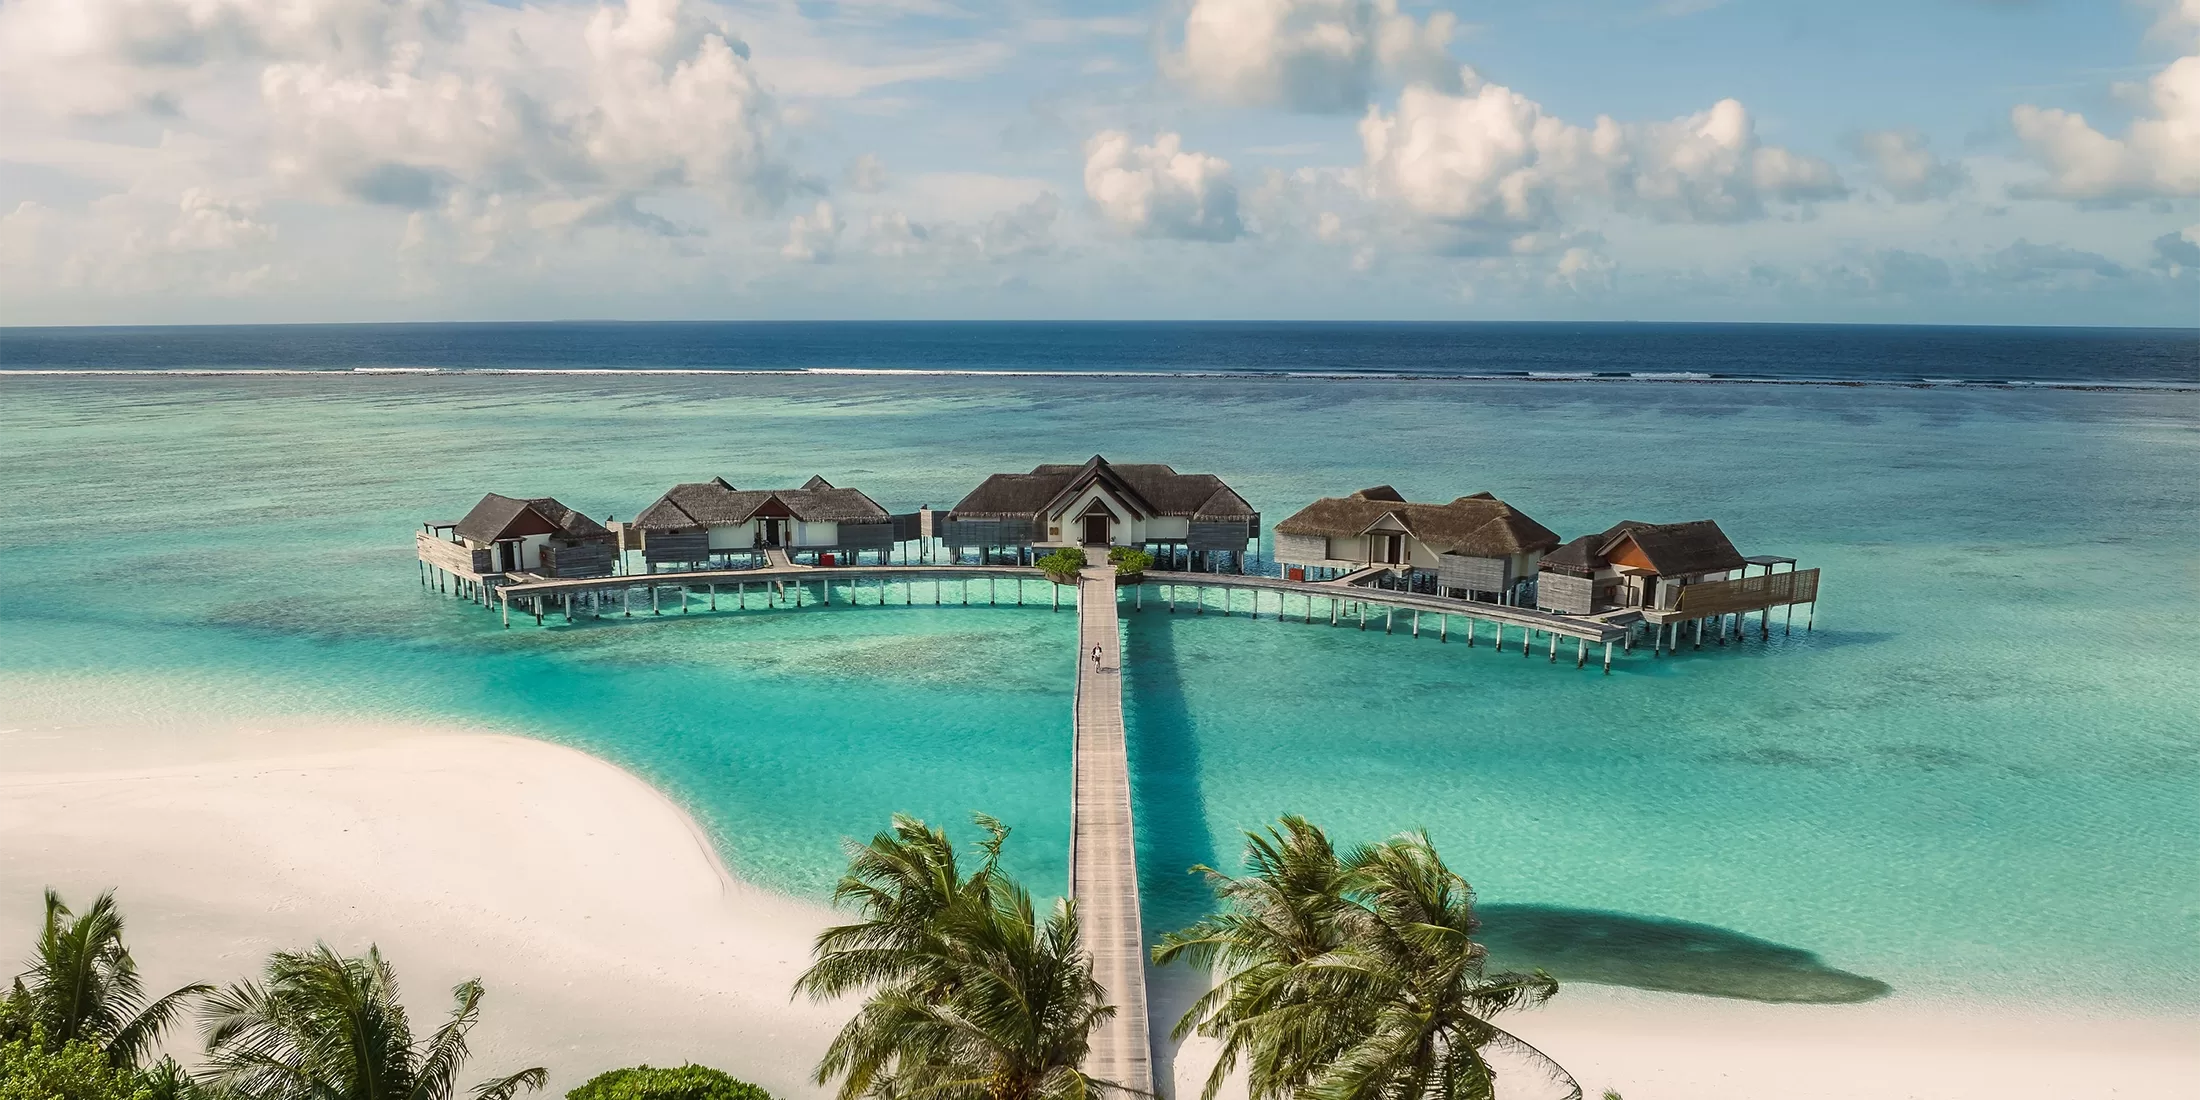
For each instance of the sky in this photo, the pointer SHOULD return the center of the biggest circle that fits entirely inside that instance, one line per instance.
(1896, 161)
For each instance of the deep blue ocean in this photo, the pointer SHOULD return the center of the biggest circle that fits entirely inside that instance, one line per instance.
(1976, 776)
(1851, 353)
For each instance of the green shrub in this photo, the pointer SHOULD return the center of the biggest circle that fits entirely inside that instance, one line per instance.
(689, 1082)
(76, 1071)
(1063, 562)
(1129, 560)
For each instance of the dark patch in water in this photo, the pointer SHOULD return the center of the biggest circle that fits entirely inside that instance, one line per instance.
(1590, 945)
(1771, 756)
(1931, 758)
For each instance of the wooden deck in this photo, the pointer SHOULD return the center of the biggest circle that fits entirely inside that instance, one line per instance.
(1102, 854)
(1600, 628)
(1308, 601)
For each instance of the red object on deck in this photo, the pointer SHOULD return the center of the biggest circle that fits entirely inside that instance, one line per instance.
(1295, 573)
(824, 559)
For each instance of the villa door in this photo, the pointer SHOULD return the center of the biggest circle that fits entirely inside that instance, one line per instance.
(1096, 530)
(772, 531)
(507, 557)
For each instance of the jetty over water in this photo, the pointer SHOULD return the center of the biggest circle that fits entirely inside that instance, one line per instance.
(1103, 862)
(1475, 570)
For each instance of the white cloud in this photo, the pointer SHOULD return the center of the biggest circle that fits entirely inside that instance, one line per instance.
(1308, 55)
(675, 100)
(2179, 251)
(2179, 20)
(2054, 264)
(70, 57)
(1491, 160)
(867, 175)
(1582, 270)
(1904, 166)
(1161, 190)
(196, 241)
(2158, 156)
(489, 119)
(815, 236)
(1026, 229)
(1489, 156)
(648, 95)
(1023, 230)
(209, 223)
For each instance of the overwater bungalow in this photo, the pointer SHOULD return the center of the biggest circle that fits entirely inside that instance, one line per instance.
(1635, 565)
(1474, 548)
(706, 523)
(1672, 573)
(505, 535)
(1186, 521)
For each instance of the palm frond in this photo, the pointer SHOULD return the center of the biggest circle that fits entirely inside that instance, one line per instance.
(504, 1088)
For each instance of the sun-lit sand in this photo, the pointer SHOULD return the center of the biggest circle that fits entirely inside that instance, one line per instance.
(605, 928)
(609, 933)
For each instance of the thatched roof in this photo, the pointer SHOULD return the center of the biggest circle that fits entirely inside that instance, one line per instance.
(1673, 549)
(502, 517)
(1578, 557)
(716, 503)
(1479, 526)
(1677, 549)
(1149, 488)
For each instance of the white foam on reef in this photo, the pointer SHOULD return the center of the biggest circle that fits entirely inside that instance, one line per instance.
(1653, 378)
(1136, 375)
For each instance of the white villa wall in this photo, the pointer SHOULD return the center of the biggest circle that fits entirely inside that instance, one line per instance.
(530, 551)
(733, 536)
(822, 533)
(1066, 525)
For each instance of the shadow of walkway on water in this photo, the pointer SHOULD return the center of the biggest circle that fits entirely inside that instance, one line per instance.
(1589, 945)
(1167, 798)
(1170, 805)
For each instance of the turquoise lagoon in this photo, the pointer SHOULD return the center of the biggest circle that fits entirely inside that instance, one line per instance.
(1978, 777)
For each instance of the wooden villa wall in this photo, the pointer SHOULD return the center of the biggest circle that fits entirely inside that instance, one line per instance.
(988, 532)
(663, 547)
(866, 536)
(450, 557)
(1472, 574)
(1301, 548)
(1219, 536)
(1567, 595)
(591, 558)
(1747, 594)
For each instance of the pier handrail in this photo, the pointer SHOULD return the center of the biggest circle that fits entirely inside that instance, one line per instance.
(768, 573)
(1076, 697)
(1568, 626)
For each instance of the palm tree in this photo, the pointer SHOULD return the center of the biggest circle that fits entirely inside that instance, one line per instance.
(1354, 978)
(327, 1027)
(83, 985)
(970, 996)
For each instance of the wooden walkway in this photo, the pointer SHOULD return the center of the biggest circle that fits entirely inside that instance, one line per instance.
(1600, 628)
(1103, 862)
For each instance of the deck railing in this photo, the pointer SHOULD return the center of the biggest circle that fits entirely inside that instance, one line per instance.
(1701, 601)
(451, 557)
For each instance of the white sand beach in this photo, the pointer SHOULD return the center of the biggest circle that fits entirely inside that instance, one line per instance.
(609, 933)
(606, 929)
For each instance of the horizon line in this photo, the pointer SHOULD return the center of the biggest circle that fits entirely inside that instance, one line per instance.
(1068, 321)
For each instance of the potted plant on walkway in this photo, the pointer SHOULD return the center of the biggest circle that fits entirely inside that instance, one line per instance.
(1131, 564)
(1062, 565)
